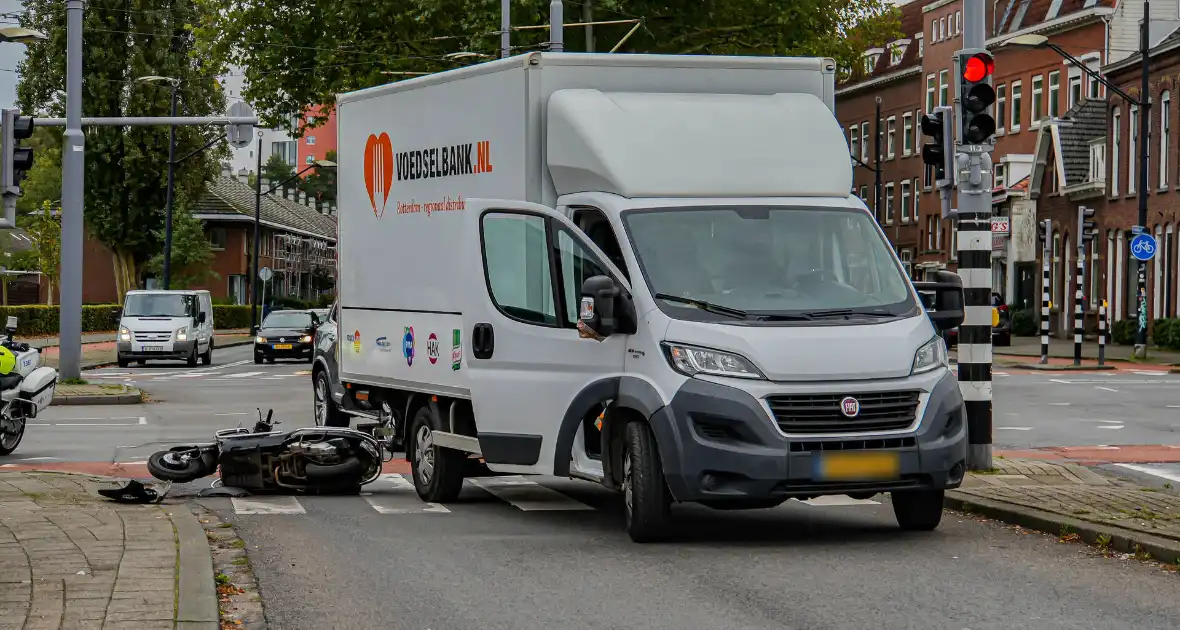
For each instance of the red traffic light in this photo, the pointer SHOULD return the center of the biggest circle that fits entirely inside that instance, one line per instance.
(978, 67)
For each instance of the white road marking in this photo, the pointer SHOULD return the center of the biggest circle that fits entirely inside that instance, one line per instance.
(1058, 404)
(1106, 389)
(1149, 373)
(837, 500)
(1110, 426)
(267, 505)
(233, 413)
(1151, 471)
(404, 500)
(1057, 380)
(1014, 428)
(238, 375)
(528, 495)
(1173, 406)
(36, 459)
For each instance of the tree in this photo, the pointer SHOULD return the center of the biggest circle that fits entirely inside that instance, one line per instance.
(343, 46)
(44, 227)
(192, 254)
(320, 183)
(43, 182)
(125, 40)
(276, 170)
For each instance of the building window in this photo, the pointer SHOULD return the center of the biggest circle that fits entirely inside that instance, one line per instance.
(1001, 171)
(1001, 106)
(1075, 90)
(311, 139)
(217, 238)
(1016, 97)
(954, 244)
(1116, 127)
(287, 150)
(929, 233)
(918, 131)
(905, 201)
(896, 52)
(1133, 134)
(906, 256)
(907, 133)
(1095, 88)
(864, 195)
(937, 232)
(864, 141)
(929, 93)
(854, 142)
(1098, 160)
(927, 176)
(944, 87)
(889, 203)
(958, 22)
(1054, 93)
(870, 63)
(1165, 136)
(921, 45)
(1038, 89)
(941, 29)
(916, 197)
(934, 31)
(890, 137)
(310, 159)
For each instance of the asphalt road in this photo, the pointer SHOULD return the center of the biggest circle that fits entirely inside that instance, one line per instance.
(336, 562)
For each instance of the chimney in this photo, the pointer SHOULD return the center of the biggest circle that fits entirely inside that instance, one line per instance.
(264, 185)
(226, 171)
(289, 194)
(244, 176)
(332, 210)
(303, 197)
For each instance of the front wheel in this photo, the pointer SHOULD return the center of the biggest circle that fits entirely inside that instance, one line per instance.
(646, 497)
(326, 412)
(12, 431)
(437, 471)
(918, 510)
(122, 361)
(178, 466)
(192, 357)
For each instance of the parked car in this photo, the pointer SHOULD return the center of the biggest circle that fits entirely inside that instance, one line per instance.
(285, 335)
(325, 377)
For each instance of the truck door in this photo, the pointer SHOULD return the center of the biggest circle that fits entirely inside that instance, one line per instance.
(527, 363)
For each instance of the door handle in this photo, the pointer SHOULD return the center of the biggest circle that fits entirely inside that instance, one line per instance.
(483, 341)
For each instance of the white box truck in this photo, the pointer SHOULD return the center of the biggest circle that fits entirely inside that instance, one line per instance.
(642, 271)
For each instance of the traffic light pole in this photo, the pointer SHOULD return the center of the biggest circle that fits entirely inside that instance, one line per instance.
(72, 185)
(973, 167)
(169, 194)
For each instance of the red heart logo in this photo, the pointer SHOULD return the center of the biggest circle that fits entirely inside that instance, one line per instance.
(378, 171)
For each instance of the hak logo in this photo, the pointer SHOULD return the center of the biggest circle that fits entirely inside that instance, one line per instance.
(850, 407)
(432, 348)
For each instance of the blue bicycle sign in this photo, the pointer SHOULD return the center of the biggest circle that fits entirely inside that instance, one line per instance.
(1143, 247)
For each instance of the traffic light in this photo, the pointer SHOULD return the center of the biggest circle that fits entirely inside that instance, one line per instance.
(1086, 226)
(976, 95)
(1044, 231)
(939, 152)
(17, 160)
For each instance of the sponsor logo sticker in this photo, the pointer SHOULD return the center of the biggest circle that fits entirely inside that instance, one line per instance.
(432, 348)
(383, 344)
(355, 340)
(456, 349)
(408, 345)
(378, 171)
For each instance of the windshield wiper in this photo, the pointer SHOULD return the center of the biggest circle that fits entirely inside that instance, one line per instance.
(844, 312)
(704, 306)
(785, 318)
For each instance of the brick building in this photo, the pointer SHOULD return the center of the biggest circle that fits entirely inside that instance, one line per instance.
(317, 142)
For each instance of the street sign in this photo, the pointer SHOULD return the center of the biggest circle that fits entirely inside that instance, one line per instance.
(240, 136)
(265, 274)
(1001, 225)
(1137, 229)
(1143, 247)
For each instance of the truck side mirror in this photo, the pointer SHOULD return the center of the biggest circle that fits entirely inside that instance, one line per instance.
(597, 310)
(943, 299)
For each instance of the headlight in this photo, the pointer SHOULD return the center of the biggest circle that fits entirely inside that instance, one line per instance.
(930, 356)
(690, 361)
(182, 334)
(124, 334)
(305, 339)
(260, 339)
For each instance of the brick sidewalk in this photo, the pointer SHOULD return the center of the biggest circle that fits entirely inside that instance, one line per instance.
(1057, 498)
(71, 560)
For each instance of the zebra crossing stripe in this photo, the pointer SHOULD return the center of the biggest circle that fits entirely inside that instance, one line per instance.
(404, 501)
(240, 375)
(528, 496)
(267, 505)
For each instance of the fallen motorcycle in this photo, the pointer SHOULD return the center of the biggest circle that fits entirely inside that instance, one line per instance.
(25, 392)
(318, 459)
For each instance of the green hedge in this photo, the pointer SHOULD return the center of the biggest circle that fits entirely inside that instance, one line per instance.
(1122, 332)
(1024, 323)
(39, 320)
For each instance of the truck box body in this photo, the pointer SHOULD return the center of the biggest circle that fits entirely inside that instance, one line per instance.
(532, 128)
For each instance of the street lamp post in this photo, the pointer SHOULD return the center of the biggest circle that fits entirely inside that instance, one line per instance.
(258, 193)
(1143, 103)
(73, 171)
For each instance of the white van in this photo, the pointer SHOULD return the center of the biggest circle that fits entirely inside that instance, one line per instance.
(643, 271)
(169, 325)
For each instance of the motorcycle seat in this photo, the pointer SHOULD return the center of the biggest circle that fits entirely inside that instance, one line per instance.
(9, 381)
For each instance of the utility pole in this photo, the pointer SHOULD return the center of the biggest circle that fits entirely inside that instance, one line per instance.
(72, 186)
(878, 192)
(168, 195)
(588, 19)
(973, 167)
(556, 26)
(505, 28)
(1144, 131)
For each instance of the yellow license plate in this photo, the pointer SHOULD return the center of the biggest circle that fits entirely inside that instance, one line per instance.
(859, 466)
(282, 346)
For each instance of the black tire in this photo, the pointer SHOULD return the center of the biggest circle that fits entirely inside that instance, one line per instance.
(917, 510)
(122, 361)
(647, 501)
(160, 469)
(443, 480)
(9, 444)
(270, 360)
(329, 415)
(192, 357)
(258, 359)
(207, 358)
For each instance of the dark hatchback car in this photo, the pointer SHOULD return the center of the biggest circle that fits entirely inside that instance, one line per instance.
(286, 335)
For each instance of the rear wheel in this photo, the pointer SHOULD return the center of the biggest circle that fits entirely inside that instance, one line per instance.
(918, 510)
(647, 500)
(207, 358)
(438, 472)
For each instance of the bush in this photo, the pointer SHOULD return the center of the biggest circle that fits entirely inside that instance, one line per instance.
(39, 320)
(1024, 323)
(1165, 333)
(226, 316)
(1122, 332)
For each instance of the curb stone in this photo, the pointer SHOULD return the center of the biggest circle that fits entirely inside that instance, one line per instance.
(240, 605)
(133, 397)
(196, 601)
(1049, 367)
(1121, 539)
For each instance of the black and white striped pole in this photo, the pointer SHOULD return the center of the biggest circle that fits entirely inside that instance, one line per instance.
(1045, 234)
(973, 175)
(1085, 233)
(1102, 333)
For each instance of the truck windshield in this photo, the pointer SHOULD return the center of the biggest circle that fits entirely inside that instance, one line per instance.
(768, 263)
(158, 305)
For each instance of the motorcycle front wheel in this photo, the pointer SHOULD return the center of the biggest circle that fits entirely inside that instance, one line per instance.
(173, 466)
(10, 440)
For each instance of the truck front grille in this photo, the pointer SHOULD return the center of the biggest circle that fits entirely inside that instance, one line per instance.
(147, 337)
(807, 414)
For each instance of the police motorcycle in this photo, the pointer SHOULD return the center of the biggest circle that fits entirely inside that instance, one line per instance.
(324, 460)
(26, 388)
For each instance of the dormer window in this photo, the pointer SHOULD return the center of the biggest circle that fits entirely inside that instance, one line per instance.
(871, 57)
(1097, 160)
(897, 51)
